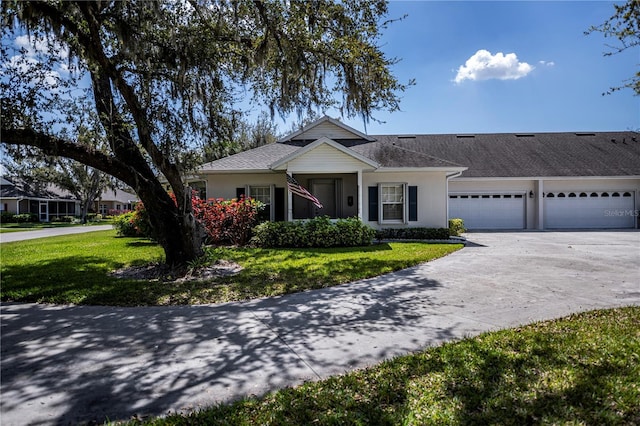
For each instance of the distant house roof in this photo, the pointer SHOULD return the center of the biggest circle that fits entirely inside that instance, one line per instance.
(118, 196)
(485, 155)
(17, 189)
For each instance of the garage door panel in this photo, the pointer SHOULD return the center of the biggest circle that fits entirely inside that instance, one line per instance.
(596, 210)
(489, 211)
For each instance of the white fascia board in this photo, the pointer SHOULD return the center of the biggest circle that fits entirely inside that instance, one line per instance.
(322, 120)
(281, 163)
(479, 179)
(420, 169)
(235, 171)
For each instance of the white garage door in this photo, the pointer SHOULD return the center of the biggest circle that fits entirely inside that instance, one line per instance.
(489, 211)
(599, 209)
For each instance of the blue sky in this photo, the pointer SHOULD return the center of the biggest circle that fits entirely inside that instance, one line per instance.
(561, 73)
(546, 75)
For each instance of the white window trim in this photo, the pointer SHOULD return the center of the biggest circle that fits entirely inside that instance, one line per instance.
(272, 194)
(405, 204)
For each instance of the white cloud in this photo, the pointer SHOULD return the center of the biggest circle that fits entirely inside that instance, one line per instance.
(36, 45)
(547, 63)
(26, 66)
(485, 66)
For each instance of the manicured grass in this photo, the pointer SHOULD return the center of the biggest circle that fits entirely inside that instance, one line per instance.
(581, 370)
(75, 269)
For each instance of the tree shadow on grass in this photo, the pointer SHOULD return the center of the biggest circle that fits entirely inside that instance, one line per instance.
(148, 243)
(72, 279)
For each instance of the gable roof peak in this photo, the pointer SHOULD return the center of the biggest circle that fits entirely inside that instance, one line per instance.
(306, 132)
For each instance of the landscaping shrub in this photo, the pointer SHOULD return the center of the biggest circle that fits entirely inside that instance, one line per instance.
(227, 221)
(224, 221)
(63, 219)
(413, 234)
(25, 217)
(124, 225)
(318, 232)
(456, 227)
(6, 217)
(134, 224)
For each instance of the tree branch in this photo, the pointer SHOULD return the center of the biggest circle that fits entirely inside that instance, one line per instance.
(55, 146)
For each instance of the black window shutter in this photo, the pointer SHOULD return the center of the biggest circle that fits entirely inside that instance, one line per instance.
(239, 192)
(413, 203)
(279, 205)
(373, 204)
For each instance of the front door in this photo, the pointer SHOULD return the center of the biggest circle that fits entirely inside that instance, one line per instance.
(44, 211)
(326, 191)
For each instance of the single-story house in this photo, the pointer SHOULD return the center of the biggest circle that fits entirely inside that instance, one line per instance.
(114, 202)
(492, 181)
(48, 203)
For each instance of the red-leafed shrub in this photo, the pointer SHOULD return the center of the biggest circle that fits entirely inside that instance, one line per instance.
(227, 221)
(224, 221)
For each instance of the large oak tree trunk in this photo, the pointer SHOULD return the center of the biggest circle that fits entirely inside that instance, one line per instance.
(177, 231)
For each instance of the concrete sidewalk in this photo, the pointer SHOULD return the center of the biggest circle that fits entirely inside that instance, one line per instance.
(72, 364)
(8, 237)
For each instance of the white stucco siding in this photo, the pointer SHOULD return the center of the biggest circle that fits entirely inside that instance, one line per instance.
(432, 197)
(224, 185)
(326, 129)
(590, 184)
(325, 159)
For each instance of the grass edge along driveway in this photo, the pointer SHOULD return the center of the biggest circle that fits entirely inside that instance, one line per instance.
(76, 269)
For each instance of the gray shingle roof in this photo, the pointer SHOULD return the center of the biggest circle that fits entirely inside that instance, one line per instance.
(22, 190)
(485, 155)
(533, 155)
(255, 159)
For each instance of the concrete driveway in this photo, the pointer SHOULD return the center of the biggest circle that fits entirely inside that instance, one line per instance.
(9, 237)
(71, 364)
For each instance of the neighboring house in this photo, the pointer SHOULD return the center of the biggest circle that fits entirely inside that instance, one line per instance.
(492, 181)
(48, 203)
(114, 202)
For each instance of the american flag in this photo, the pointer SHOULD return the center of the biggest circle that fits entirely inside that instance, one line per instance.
(301, 191)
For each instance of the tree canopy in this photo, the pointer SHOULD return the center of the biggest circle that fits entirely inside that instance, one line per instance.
(624, 26)
(166, 77)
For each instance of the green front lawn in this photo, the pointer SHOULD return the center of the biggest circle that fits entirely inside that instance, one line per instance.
(581, 370)
(75, 269)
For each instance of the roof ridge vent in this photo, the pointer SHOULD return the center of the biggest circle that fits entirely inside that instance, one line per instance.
(465, 136)
(406, 136)
(525, 135)
(585, 134)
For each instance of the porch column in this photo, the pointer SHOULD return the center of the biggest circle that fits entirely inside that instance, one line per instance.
(289, 202)
(360, 194)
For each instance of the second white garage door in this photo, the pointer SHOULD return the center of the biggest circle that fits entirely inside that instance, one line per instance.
(489, 211)
(595, 210)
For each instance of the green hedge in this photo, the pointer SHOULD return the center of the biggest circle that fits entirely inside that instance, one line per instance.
(413, 234)
(318, 232)
(18, 218)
